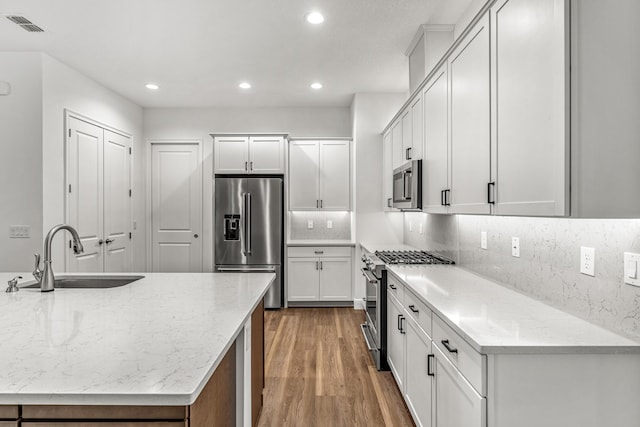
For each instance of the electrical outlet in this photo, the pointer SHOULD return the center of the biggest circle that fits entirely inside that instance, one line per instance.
(310, 224)
(410, 225)
(329, 223)
(631, 264)
(483, 240)
(420, 228)
(587, 261)
(515, 247)
(20, 231)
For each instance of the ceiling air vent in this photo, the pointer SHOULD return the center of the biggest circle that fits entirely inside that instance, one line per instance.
(25, 24)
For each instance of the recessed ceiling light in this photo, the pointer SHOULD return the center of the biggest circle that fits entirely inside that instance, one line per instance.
(244, 85)
(314, 18)
(316, 85)
(152, 86)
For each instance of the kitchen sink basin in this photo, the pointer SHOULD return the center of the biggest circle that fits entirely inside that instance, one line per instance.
(90, 282)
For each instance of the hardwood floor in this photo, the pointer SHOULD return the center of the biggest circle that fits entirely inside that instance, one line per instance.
(319, 373)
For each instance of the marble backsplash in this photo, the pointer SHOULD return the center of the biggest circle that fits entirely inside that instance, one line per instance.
(341, 225)
(548, 266)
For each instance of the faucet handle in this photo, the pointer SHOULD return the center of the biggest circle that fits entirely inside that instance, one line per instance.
(13, 284)
(37, 273)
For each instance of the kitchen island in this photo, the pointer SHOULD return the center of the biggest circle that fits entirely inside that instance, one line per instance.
(168, 347)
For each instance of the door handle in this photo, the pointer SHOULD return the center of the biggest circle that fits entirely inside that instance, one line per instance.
(246, 166)
(402, 331)
(317, 265)
(100, 242)
(248, 229)
(399, 320)
(251, 166)
(108, 241)
(195, 236)
(320, 265)
(446, 345)
(429, 366)
(490, 186)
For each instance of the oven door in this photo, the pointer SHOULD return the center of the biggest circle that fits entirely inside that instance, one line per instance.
(371, 329)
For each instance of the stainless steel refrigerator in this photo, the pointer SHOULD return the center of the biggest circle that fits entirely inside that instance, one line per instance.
(249, 228)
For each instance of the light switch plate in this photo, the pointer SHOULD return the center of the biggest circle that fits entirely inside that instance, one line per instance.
(631, 266)
(587, 261)
(410, 225)
(329, 223)
(310, 224)
(20, 231)
(515, 247)
(420, 228)
(483, 240)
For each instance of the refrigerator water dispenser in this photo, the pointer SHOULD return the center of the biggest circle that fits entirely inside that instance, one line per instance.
(232, 227)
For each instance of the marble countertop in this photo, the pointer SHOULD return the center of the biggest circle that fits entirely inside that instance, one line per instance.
(497, 320)
(321, 243)
(156, 341)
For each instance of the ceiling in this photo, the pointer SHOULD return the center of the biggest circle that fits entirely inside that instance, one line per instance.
(198, 51)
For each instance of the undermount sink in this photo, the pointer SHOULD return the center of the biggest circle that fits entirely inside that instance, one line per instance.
(90, 282)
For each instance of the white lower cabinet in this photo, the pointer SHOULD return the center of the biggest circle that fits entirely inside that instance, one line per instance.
(319, 274)
(456, 403)
(395, 340)
(418, 384)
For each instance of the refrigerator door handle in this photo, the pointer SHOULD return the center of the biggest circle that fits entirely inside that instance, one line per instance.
(248, 227)
(243, 242)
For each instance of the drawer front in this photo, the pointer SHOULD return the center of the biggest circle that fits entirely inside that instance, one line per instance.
(468, 361)
(8, 412)
(319, 251)
(395, 288)
(418, 311)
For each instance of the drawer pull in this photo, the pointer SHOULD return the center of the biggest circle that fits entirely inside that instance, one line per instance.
(429, 367)
(318, 252)
(446, 345)
(402, 331)
(392, 286)
(413, 308)
(399, 325)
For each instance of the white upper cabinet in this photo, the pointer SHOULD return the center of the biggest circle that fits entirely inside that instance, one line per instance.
(530, 138)
(470, 105)
(435, 165)
(387, 172)
(396, 138)
(417, 129)
(266, 155)
(320, 175)
(407, 135)
(249, 155)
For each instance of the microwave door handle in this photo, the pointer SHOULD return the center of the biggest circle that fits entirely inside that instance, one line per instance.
(407, 180)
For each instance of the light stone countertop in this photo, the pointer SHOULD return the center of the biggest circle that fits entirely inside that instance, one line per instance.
(156, 341)
(373, 247)
(497, 320)
(305, 243)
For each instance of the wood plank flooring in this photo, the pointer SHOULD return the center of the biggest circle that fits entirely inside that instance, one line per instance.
(319, 373)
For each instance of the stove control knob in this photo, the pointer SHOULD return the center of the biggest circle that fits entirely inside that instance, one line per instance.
(363, 259)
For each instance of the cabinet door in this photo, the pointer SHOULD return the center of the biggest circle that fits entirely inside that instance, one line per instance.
(335, 279)
(530, 141)
(396, 325)
(266, 155)
(457, 403)
(435, 166)
(398, 152)
(387, 171)
(418, 384)
(231, 154)
(335, 175)
(304, 279)
(417, 125)
(304, 164)
(469, 77)
(407, 135)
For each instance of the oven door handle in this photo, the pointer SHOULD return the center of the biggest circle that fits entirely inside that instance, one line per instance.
(370, 277)
(366, 337)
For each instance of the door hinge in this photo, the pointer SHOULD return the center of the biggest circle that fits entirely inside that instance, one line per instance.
(129, 235)
(129, 192)
(69, 188)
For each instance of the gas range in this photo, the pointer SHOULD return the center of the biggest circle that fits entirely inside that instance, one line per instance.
(378, 261)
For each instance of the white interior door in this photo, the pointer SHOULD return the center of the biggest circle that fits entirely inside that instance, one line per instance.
(117, 202)
(176, 200)
(85, 193)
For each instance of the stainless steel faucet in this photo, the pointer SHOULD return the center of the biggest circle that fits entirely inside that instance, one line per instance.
(46, 277)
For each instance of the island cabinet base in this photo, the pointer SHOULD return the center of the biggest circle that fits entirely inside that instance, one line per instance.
(217, 404)
(9, 415)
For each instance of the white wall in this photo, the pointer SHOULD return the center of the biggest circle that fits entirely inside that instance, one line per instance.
(65, 88)
(21, 154)
(371, 112)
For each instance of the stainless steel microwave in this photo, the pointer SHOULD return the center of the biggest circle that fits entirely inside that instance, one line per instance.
(407, 186)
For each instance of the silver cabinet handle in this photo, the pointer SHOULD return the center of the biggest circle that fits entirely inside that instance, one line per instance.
(317, 204)
(251, 166)
(246, 166)
(316, 265)
(318, 252)
(247, 231)
(321, 203)
(320, 265)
